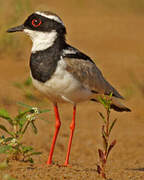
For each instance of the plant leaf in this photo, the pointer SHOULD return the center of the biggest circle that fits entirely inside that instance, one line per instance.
(22, 122)
(106, 102)
(26, 149)
(102, 116)
(4, 129)
(24, 105)
(103, 132)
(5, 148)
(102, 156)
(35, 153)
(31, 160)
(34, 127)
(28, 81)
(111, 146)
(102, 100)
(5, 115)
(8, 139)
(105, 143)
(44, 111)
(18, 85)
(20, 118)
(112, 125)
(99, 169)
(31, 107)
(111, 94)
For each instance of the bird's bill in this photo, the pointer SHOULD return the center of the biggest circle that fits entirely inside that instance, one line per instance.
(16, 29)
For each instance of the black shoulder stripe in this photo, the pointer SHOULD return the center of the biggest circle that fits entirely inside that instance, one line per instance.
(76, 55)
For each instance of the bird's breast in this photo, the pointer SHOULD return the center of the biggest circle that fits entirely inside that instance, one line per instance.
(62, 86)
(44, 63)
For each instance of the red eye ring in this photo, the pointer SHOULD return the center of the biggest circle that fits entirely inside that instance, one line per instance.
(36, 22)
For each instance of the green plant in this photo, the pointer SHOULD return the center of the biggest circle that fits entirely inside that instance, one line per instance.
(27, 88)
(12, 144)
(106, 131)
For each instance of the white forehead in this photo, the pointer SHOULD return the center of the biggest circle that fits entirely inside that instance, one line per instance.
(50, 16)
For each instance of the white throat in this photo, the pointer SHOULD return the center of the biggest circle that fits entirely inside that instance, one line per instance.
(41, 40)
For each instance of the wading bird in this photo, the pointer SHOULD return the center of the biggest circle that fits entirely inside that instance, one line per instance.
(62, 72)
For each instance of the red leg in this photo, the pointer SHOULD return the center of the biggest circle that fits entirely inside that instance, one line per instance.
(72, 127)
(57, 126)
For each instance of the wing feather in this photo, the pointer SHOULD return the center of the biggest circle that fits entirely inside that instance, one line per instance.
(90, 76)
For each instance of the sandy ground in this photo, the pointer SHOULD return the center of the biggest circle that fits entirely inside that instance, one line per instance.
(115, 41)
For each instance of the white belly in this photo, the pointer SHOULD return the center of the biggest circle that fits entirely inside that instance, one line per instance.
(63, 87)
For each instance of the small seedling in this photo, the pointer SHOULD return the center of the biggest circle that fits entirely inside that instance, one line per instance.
(11, 144)
(106, 131)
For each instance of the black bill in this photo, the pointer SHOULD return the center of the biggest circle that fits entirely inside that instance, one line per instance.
(15, 29)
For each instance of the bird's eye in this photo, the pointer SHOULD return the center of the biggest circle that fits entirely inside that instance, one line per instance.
(36, 22)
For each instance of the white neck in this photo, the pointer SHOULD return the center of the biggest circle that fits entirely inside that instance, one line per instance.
(41, 40)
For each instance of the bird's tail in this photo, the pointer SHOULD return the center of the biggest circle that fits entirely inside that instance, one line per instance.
(118, 106)
(115, 103)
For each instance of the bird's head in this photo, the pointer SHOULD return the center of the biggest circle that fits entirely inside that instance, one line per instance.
(43, 27)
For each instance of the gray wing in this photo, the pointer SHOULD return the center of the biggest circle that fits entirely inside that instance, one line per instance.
(90, 76)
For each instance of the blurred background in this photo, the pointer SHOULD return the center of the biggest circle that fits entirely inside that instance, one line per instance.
(112, 34)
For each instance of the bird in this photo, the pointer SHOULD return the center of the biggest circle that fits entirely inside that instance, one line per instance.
(62, 72)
